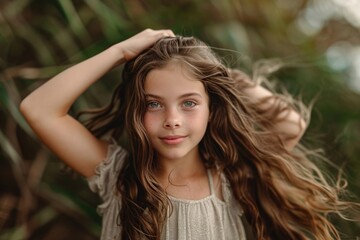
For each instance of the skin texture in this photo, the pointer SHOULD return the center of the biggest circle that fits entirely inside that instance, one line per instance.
(250, 138)
(46, 109)
(68, 138)
(176, 119)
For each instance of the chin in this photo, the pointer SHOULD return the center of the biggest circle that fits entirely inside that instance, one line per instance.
(176, 153)
(172, 157)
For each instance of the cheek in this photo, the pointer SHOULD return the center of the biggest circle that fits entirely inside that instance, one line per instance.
(205, 114)
(200, 120)
(205, 122)
(150, 123)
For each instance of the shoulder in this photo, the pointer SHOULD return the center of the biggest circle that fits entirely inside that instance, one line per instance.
(228, 195)
(106, 172)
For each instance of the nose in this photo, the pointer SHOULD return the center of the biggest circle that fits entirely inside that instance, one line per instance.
(172, 119)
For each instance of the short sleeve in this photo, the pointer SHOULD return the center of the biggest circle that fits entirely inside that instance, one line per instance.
(103, 182)
(229, 196)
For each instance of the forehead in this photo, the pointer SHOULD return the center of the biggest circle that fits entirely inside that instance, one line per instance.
(172, 80)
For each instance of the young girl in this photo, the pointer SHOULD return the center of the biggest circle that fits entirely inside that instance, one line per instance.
(208, 149)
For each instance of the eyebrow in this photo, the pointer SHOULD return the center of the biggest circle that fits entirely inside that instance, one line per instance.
(182, 96)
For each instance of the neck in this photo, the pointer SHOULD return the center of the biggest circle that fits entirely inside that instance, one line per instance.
(181, 170)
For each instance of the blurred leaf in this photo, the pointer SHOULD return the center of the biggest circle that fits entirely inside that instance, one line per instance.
(13, 109)
(76, 24)
(111, 21)
(39, 44)
(62, 35)
(16, 233)
(14, 8)
(40, 38)
(11, 152)
(41, 218)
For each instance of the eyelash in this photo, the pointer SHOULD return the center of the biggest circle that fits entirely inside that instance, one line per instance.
(193, 104)
(149, 103)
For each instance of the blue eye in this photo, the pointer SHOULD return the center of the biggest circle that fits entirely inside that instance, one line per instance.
(153, 105)
(189, 104)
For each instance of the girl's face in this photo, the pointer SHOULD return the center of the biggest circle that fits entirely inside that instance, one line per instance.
(177, 113)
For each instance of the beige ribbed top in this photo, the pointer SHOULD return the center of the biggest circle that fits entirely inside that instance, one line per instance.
(205, 219)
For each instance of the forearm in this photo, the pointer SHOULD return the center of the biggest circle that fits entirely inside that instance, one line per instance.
(46, 108)
(287, 121)
(54, 98)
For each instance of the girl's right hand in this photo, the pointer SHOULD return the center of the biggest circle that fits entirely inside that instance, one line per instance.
(46, 109)
(133, 46)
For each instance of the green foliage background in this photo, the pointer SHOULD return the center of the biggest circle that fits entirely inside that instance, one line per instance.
(40, 38)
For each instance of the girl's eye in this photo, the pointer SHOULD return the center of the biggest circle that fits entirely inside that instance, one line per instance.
(189, 104)
(153, 105)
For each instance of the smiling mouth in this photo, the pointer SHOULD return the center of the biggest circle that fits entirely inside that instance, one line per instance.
(171, 140)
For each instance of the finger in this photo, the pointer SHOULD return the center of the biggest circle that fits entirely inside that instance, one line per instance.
(169, 33)
(165, 33)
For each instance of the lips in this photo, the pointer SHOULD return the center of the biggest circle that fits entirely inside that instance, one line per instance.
(171, 140)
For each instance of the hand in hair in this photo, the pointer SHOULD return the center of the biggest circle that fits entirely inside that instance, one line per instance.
(131, 47)
(46, 109)
(278, 113)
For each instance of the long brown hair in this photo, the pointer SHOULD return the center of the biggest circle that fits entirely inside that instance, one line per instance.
(283, 193)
